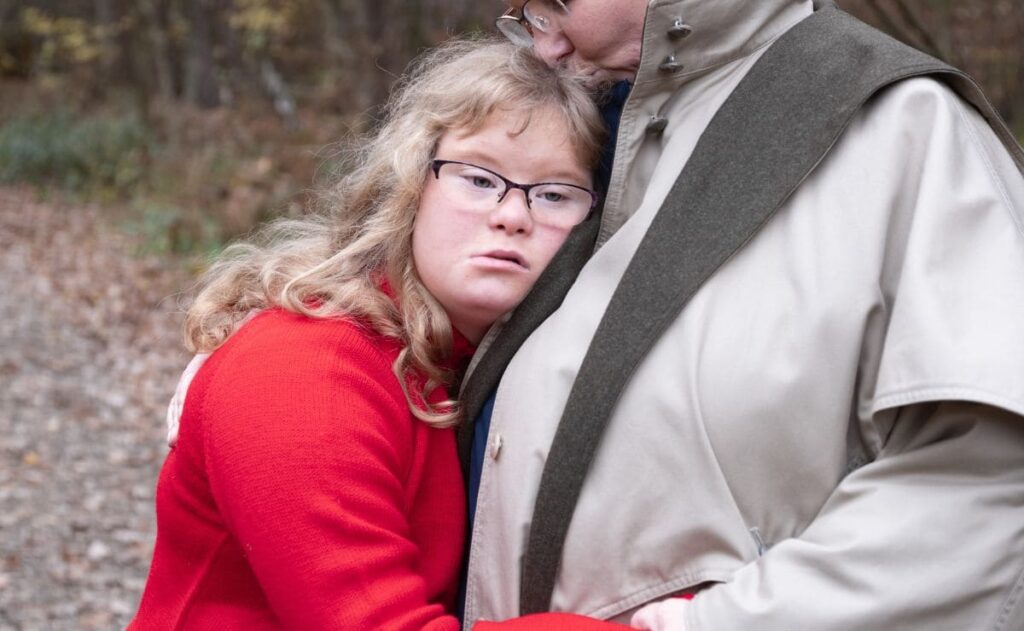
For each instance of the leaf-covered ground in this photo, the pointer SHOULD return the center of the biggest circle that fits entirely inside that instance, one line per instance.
(89, 354)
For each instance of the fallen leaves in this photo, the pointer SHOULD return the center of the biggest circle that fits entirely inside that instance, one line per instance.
(90, 352)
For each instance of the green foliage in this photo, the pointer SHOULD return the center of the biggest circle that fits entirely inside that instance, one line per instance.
(95, 156)
(66, 41)
(261, 22)
(166, 229)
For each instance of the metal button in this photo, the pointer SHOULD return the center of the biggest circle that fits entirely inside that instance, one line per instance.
(496, 446)
(679, 30)
(670, 65)
(657, 125)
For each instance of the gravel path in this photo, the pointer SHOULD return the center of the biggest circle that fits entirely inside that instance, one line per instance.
(89, 355)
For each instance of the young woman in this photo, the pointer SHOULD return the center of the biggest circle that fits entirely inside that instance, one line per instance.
(314, 482)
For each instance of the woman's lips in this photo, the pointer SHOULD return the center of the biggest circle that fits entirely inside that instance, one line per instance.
(503, 259)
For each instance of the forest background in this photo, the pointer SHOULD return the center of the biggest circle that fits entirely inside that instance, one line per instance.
(205, 116)
(137, 138)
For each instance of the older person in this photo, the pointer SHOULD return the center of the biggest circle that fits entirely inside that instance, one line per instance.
(827, 430)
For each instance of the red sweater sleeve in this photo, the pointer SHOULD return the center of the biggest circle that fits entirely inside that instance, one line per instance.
(308, 444)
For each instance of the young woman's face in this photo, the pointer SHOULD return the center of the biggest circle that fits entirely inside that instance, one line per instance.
(480, 261)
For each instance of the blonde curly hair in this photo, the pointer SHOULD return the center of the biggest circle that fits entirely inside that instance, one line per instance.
(332, 262)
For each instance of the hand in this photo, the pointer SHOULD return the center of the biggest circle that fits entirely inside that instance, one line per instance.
(550, 622)
(664, 615)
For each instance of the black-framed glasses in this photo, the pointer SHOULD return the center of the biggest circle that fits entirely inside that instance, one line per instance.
(551, 203)
(545, 16)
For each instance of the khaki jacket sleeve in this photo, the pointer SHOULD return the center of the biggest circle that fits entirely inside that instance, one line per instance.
(930, 535)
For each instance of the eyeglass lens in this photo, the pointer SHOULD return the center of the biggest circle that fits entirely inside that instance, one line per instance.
(540, 15)
(555, 204)
(512, 27)
(544, 15)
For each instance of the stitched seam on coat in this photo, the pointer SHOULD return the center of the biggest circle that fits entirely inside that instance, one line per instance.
(702, 426)
(951, 392)
(989, 166)
(1012, 600)
(647, 594)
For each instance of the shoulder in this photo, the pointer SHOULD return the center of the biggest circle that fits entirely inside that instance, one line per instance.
(300, 379)
(920, 95)
(920, 123)
(283, 347)
(908, 105)
(923, 124)
(925, 111)
(287, 334)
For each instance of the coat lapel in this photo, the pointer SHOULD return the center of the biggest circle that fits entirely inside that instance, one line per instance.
(541, 302)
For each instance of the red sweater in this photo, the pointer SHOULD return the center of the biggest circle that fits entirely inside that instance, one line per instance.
(302, 493)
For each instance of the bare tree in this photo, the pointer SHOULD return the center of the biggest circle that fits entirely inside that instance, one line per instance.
(201, 84)
(159, 47)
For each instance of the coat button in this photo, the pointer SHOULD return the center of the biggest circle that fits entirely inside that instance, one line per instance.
(679, 30)
(670, 65)
(496, 446)
(656, 125)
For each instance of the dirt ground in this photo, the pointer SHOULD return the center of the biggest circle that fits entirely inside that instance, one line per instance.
(89, 354)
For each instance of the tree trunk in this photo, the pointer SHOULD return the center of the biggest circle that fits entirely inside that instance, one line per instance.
(335, 32)
(7, 14)
(384, 32)
(354, 48)
(104, 19)
(159, 47)
(201, 85)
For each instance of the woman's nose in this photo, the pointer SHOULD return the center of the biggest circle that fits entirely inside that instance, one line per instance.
(512, 214)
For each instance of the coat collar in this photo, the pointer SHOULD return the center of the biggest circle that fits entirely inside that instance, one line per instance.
(686, 39)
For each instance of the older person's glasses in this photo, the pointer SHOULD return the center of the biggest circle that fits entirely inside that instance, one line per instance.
(551, 203)
(545, 16)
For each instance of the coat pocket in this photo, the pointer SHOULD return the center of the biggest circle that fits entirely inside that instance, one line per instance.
(623, 609)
